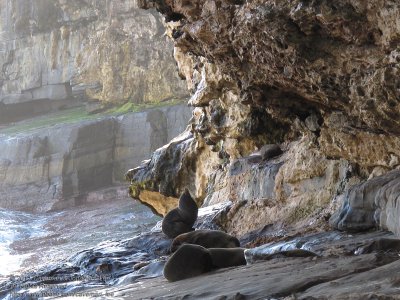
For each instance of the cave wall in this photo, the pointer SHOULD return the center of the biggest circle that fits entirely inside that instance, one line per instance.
(319, 78)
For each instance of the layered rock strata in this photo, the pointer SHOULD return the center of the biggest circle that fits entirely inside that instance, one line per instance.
(66, 164)
(318, 78)
(52, 52)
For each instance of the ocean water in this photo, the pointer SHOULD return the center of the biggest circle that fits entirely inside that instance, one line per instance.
(30, 241)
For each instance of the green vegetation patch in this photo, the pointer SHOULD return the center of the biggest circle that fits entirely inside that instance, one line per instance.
(78, 114)
(136, 187)
(134, 107)
(62, 117)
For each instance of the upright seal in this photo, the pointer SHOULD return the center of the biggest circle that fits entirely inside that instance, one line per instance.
(181, 219)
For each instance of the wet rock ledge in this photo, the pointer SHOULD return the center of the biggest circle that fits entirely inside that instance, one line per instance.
(347, 266)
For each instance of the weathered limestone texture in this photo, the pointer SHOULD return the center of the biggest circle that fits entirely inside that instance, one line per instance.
(55, 51)
(319, 78)
(65, 165)
(156, 181)
(299, 184)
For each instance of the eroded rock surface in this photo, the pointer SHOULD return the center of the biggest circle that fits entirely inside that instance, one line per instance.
(317, 78)
(306, 54)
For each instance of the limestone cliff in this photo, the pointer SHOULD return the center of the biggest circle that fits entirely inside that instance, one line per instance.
(68, 164)
(319, 78)
(53, 53)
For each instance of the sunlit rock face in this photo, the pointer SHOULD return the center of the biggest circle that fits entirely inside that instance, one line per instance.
(55, 52)
(320, 78)
(76, 163)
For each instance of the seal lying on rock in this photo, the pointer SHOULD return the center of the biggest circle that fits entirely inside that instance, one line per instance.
(227, 257)
(206, 238)
(269, 151)
(265, 153)
(181, 219)
(193, 260)
(382, 244)
(188, 261)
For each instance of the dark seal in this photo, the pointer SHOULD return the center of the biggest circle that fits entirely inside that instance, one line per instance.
(265, 153)
(380, 245)
(188, 261)
(193, 260)
(227, 257)
(181, 219)
(206, 238)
